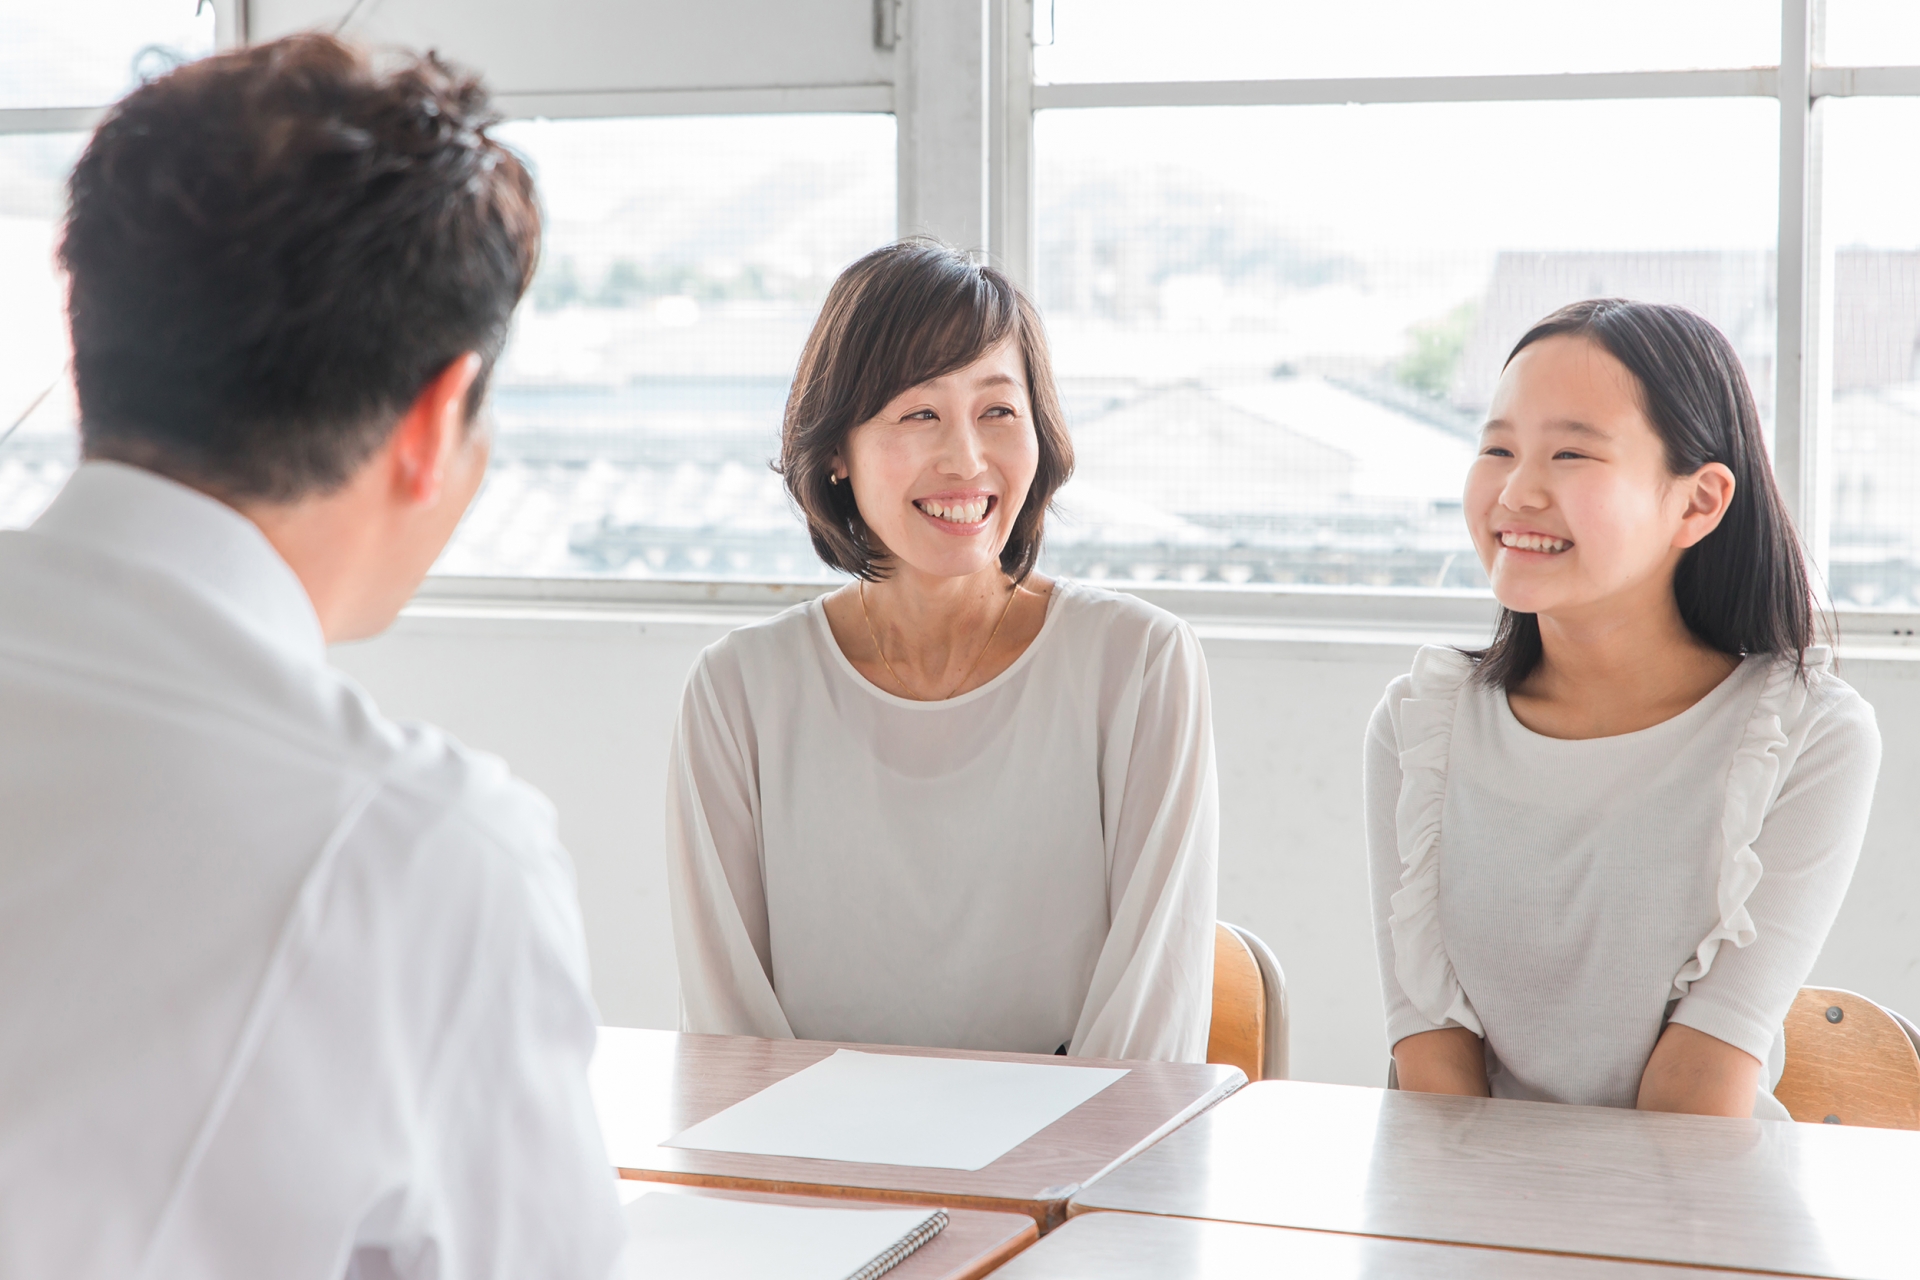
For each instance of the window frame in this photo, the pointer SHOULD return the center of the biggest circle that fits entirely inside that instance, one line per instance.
(965, 173)
(1801, 83)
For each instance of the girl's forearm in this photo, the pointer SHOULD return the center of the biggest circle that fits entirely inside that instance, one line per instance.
(1450, 1060)
(1694, 1072)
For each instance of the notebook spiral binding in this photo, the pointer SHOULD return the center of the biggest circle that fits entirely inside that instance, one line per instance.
(895, 1256)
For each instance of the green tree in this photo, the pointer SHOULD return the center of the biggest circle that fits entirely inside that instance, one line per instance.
(556, 285)
(1429, 365)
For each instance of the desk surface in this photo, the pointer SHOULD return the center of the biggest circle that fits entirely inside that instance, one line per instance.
(651, 1085)
(1131, 1246)
(973, 1243)
(1820, 1200)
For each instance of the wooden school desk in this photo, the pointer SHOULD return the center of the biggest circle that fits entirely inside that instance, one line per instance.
(651, 1085)
(1818, 1200)
(972, 1244)
(1131, 1246)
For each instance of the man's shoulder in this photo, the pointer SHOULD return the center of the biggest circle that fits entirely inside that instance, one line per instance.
(174, 667)
(430, 790)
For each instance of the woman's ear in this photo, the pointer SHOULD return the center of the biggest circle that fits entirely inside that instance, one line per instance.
(1709, 493)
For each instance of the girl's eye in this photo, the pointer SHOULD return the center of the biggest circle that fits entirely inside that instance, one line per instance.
(1000, 411)
(1496, 451)
(1568, 454)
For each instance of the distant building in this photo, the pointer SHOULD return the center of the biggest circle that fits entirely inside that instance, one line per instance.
(1284, 479)
(1734, 290)
(636, 441)
(1876, 319)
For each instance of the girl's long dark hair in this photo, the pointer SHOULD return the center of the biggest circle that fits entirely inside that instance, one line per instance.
(1741, 589)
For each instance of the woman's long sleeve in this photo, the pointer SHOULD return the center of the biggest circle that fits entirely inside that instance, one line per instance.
(1151, 997)
(715, 885)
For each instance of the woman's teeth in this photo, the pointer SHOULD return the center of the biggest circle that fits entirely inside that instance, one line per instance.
(972, 511)
(1533, 542)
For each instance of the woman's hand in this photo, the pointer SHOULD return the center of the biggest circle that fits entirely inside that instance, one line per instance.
(1693, 1072)
(1450, 1060)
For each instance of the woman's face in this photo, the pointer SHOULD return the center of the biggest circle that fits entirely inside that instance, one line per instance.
(942, 471)
(1570, 502)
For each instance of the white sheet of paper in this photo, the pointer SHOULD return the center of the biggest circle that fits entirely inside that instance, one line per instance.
(676, 1237)
(884, 1108)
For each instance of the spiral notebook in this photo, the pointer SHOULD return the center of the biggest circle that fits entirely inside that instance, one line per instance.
(687, 1237)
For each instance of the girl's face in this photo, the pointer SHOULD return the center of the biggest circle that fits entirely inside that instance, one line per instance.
(943, 470)
(1570, 502)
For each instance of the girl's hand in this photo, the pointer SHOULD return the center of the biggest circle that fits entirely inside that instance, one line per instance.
(1450, 1060)
(1692, 1071)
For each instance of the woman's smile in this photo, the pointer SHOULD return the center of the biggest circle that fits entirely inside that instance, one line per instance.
(961, 512)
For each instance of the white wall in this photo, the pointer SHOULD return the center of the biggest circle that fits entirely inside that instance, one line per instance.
(581, 703)
(612, 46)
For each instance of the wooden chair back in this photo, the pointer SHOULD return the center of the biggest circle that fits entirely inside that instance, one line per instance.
(1278, 1059)
(1848, 1062)
(1238, 1037)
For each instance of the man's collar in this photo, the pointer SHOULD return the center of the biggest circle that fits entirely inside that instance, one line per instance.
(136, 515)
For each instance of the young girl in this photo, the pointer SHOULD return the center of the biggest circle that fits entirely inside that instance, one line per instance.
(1606, 849)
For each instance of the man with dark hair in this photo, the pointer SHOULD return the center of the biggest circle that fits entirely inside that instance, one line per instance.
(286, 989)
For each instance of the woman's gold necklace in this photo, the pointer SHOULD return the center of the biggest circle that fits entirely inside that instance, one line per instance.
(974, 666)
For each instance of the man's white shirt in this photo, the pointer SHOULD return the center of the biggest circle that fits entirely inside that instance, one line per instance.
(286, 989)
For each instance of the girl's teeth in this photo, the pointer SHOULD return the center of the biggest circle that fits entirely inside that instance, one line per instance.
(1533, 542)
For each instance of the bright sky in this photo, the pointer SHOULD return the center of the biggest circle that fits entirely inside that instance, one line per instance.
(1460, 177)
(1600, 175)
(81, 53)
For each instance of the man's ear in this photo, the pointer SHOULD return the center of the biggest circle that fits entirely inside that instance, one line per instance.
(432, 428)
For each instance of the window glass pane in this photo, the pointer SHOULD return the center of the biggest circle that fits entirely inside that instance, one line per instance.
(639, 402)
(1276, 328)
(1872, 218)
(1872, 33)
(1094, 40)
(56, 53)
(36, 399)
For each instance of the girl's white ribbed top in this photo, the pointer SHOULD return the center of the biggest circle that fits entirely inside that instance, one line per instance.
(1556, 896)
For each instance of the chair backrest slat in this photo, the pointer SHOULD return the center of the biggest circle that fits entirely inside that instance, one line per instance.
(1238, 1035)
(1849, 1061)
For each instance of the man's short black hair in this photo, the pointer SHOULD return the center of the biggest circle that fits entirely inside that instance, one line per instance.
(273, 251)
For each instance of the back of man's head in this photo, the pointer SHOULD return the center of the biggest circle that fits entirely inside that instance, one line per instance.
(273, 251)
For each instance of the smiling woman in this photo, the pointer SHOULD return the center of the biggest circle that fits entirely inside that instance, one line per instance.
(1606, 849)
(953, 803)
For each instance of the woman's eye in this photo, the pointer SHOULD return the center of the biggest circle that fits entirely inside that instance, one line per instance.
(921, 415)
(1001, 411)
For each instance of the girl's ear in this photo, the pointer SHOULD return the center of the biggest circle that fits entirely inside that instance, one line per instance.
(1709, 493)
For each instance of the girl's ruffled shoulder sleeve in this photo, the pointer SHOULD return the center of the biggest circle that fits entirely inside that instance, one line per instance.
(1425, 739)
(1752, 780)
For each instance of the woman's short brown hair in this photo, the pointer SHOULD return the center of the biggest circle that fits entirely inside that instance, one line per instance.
(903, 315)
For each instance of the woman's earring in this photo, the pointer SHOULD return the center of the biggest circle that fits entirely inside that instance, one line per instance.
(832, 478)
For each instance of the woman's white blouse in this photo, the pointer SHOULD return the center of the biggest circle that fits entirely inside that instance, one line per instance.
(1030, 864)
(1555, 896)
